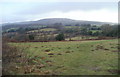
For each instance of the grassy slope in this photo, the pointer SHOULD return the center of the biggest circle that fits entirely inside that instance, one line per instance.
(46, 29)
(49, 29)
(83, 57)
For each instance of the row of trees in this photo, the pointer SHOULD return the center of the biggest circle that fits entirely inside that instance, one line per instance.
(104, 30)
(32, 37)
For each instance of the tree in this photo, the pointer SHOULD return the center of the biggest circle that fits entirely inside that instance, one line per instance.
(86, 25)
(58, 26)
(89, 32)
(21, 30)
(97, 33)
(77, 24)
(31, 37)
(83, 31)
(60, 37)
(109, 30)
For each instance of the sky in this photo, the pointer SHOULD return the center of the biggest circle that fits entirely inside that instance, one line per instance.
(32, 10)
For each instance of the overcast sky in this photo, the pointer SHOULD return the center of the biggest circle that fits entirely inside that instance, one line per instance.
(24, 10)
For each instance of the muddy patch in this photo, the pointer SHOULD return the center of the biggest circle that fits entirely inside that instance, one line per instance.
(106, 49)
(67, 52)
(115, 51)
(99, 47)
(59, 54)
(92, 50)
(47, 50)
(50, 53)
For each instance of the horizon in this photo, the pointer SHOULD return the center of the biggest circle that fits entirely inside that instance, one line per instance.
(54, 18)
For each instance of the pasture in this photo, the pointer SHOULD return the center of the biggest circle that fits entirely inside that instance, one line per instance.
(96, 57)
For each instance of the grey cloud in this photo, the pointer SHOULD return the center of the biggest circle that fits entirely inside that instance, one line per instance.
(25, 11)
(39, 8)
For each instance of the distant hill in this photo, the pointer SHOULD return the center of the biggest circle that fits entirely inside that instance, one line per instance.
(49, 22)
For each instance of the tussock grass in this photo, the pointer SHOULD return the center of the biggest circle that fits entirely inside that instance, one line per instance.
(71, 58)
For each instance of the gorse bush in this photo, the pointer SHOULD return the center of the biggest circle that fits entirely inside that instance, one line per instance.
(11, 56)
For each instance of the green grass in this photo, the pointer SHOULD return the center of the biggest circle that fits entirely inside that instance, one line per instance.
(72, 27)
(80, 38)
(83, 57)
(93, 31)
(48, 29)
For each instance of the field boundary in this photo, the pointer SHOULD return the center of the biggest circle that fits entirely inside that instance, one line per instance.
(66, 40)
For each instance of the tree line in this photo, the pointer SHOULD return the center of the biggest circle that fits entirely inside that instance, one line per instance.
(20, 34)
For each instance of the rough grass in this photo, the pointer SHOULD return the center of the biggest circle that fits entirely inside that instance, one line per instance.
(82, 38)
(93, 31)
(70, 58)
(48, 29)
(72, 27)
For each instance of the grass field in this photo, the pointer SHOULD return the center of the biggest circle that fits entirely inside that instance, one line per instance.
(72, 27)
(96, 31)
(46, 29)
(70, 58)
(82, 38)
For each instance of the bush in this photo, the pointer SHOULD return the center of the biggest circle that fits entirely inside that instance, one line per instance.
(31, 37)
(60, 37)
(11, 56)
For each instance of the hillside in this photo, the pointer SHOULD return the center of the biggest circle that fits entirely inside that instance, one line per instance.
(49, 22)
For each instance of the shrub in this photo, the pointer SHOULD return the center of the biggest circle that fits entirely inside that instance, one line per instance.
(31, 37)
(60, 37)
